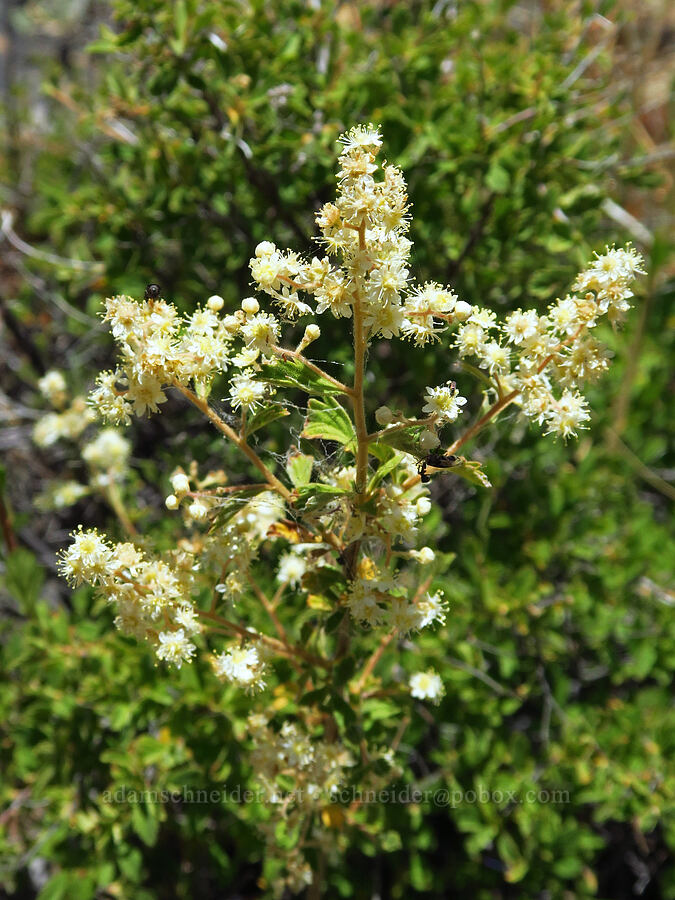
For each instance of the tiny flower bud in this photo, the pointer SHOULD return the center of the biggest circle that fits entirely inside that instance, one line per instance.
(462, 310)
(180, 483)
(215, 303)
(423, 506)
(425, 555)
(171, 502)
(264, 247)
(197, 510)
(231, 324)
(384, 416)
(250, 306)
(429, 440)
(312, 332)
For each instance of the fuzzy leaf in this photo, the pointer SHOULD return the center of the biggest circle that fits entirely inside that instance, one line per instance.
(299, 468)
(405, 439)
(313, 496)
(385, 469)
(295, 374)
(264, 416)
(471, 470)
(329, 421)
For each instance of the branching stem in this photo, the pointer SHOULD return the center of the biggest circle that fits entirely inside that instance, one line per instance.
(223, 427)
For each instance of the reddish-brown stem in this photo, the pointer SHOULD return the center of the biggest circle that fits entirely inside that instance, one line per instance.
(223, 427)
(6, 526)
(375, 657)
(269, 609)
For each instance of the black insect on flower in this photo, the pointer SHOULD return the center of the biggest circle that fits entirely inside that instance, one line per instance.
(152, 292)
(436, 461)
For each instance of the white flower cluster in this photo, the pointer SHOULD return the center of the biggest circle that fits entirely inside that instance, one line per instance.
(52, 386)
(541, 361)
(292, 566)
(66, 425)
(152, 598)
(366, 227)
(350, 517)
(106, 455)
(317, 767)
(159, 348)
(376, 601)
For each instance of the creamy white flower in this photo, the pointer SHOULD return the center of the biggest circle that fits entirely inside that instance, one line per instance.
(384, 416)
(444, 401)
(426, 686)
(568, 414)
(87, 558)
(261, 331)
(469, 341)
(186, 617)
(198, 510)
(175, 647)
(180, 483)
(241, 666)
(246, 392)
(52, 386)
(48, 430)
(68, 493)
(424, 555)
(362, 137)
(521, 325)
(431, 608)
(495, 358)
(291, 569)
(109, 450)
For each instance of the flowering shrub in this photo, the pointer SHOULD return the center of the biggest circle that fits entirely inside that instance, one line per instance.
(342, 525)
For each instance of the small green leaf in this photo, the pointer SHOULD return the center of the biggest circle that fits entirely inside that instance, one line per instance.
(329, 421)
(334, 621)
(317, 696)
(264, 416)
(342, 710)
(497, 179)
(471, 470)
(344, 671)
(299, 468)
(385, 469)
(404, 439)
(311, 497)
(144, 823)
(295, 374)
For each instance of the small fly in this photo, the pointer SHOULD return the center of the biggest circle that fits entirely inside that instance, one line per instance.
(152, 292)
(436, 461)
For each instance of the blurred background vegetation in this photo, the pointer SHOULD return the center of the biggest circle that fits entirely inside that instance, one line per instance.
(154, 141)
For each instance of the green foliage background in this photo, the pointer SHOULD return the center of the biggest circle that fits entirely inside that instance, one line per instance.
(209, 127)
